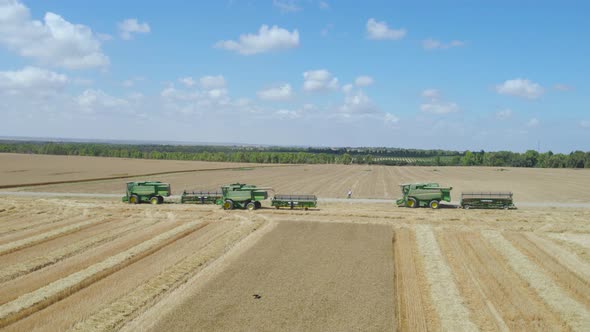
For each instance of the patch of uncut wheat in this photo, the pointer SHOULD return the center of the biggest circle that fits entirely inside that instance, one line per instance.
(127, 307)
(452, 313)
(33, 240)
(37, 263)
(29, 303)
(573, 313)
(409, 310)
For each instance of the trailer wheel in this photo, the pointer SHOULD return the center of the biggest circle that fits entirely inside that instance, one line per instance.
(133, 199)
(160, 199)
(466, 207)
(505, 207)
(251, 206)
(278, 207)
(154, 200)
(434, 204)
(412, 202)
(228, 204)
(258, 204)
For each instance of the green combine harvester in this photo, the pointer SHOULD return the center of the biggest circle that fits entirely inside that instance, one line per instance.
(487, 200)
(242, 196)
(423, 195)
(148, 191)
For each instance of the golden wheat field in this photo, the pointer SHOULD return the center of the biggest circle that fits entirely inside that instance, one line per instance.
(96, 264)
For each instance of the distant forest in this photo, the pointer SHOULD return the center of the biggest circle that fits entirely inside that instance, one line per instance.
(295, 155)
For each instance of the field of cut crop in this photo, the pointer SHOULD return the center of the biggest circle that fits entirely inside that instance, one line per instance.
(96, 264)
(329, 181)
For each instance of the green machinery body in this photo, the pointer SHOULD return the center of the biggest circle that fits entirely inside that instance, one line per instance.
(424, 194)
(240, 196)
(487, 200)
(294, 201)
(148, 191)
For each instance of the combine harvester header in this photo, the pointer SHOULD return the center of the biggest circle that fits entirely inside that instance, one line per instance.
(487, 200)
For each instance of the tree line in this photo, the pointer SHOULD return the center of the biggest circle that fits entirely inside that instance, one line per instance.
(288, 155)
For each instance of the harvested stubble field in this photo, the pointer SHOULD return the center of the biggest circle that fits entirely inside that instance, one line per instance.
(528, 185)
(96, 264)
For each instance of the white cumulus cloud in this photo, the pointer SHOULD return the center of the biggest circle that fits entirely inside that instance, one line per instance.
(267, 40)
(364, 81)
(563, 87)
(431, 93)
(433, 44)
(31, 79)
(131, 26)
(91, 100)
(286, 6)
(390, 118)
(319, 80)
(187, 81)
(439, 107)
(504, 114)
(381, 31)
(54, 41)
(434, 104)
(358, 104)
(282, 92)
(532, 123)
(212, 82)
(520, 88)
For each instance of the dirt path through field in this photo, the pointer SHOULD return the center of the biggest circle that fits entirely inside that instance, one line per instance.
(338, 277)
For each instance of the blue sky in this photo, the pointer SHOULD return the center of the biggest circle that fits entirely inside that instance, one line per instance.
(493, 75)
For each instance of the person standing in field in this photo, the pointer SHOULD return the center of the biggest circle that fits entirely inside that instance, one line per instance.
(349, 195)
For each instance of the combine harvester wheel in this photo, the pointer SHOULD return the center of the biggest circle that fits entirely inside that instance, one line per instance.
(412, 202)
(154, 200)
(251, 206)
(133, 199)
(434, 204)
(228, 205)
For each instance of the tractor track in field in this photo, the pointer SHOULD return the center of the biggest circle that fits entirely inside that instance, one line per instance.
(126, 308)
(578, 286)
(53, 257)
(496, 296)
(50, 235)
(41, 298)
(574, 313)
(14, 288)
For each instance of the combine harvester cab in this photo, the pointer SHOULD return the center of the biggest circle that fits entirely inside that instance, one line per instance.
(423, 195)
(147, 191)
(294, 201)
(242, 196)
(487, 200)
